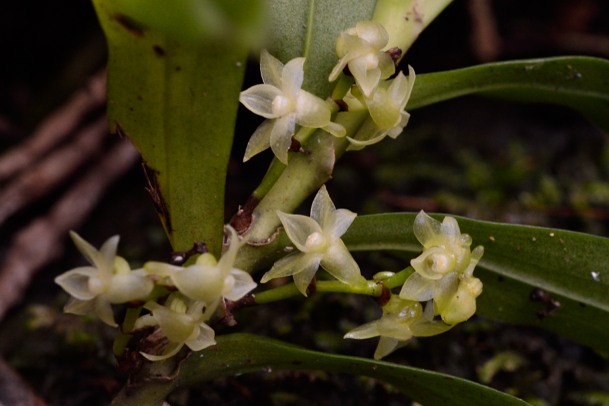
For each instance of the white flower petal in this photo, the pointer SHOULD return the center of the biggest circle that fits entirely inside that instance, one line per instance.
(372, 32)
(281, 136)
(364, 331)
(270, 69)
(260, 140)
(425, 228)
(244, 283)
(322, 208)
(385, 347)
(417, 288)
(103, 309)
(203, 283)
(299, 228)
(311, 111)
(76, 282)
(292, 264)
(340, 264)
(303, 277)
(292, 76)
(205, 338)
(259, 100)
(128, 287)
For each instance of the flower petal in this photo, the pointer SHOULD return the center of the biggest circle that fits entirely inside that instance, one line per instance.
(322, 208)
(417, 288)
(425, 228)
(259, 99)
(340, 264)
(205, 338)
(298, 228)
(311, 111)
(128, 287)
(292, 264)
(244, 283)
(76, 282)
(364, 331)
(385, 347)
(103, 309)
(292, 76)
(270, 69)
(281, 136)
(260, 140)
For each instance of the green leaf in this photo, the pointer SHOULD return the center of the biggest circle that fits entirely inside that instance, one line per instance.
(241, 353)
(577, 82)
(571, 267)
(176, 99)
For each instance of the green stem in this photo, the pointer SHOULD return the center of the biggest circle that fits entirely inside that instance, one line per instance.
(124, 336)
(404, 20)
(370, 288)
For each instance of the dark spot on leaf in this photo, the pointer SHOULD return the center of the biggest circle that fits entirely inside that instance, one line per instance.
(130, 25)
(178, 68)
(296, 362)
(155, 194)
(159, 51)
(500, 278)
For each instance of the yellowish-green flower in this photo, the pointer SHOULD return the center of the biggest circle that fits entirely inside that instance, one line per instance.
(386, 107)
(318, 241)
(110, 280)
(182, 321)
(444, 270)
(208, 280)
(284, 104)
(401, 320)
(361, 49)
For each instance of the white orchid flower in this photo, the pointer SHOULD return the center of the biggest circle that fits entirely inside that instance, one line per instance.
(401, 320)
(360, 48)
(182, 321)
(208, 280)
(284, 104)
(318, 241)
(108, 281)
(386, 107)
(444, 270)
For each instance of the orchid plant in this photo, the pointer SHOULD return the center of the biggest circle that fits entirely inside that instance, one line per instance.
(328, 87)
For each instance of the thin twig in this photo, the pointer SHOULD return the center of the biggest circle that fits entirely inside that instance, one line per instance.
(56, 128)
(52, 170)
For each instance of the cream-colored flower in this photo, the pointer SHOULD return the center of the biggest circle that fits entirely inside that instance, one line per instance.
(208, 280)
(109, 280)
(444, 270)
(317, 239)
(386, 107)
(284, 104)
(182, 321)
(360, 48)
(401, 320)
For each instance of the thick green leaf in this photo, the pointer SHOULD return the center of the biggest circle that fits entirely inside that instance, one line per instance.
(581, 83)
(177, 101)
(241, 353)
(571, 267)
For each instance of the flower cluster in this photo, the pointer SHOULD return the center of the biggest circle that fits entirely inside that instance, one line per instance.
(284, 105)
(180, 315)
(360, 49)
(318, 241)
(443, 280)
